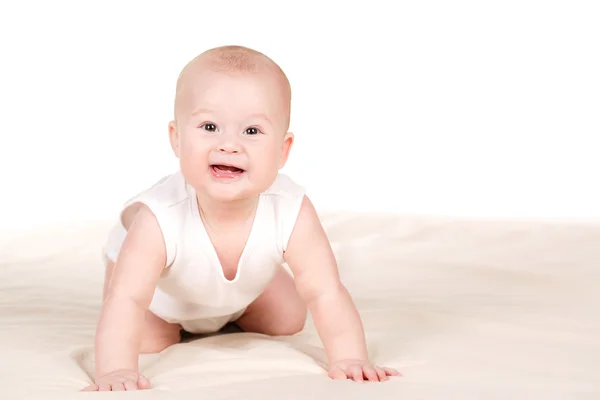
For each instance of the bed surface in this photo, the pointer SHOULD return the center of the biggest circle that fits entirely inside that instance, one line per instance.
(464, 309)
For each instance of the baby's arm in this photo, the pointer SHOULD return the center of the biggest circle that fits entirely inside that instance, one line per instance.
(336, 319)
(138, 267)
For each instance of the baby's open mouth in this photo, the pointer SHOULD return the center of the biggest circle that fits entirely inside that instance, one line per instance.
(228, 168)
(225, 171)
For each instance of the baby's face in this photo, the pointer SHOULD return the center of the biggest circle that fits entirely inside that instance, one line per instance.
(230, 133)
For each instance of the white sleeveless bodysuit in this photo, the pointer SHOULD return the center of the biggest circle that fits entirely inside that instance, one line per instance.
(192, 289)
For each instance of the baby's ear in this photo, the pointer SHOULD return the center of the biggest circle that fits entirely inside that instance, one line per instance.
(174, 137)
(288, 141)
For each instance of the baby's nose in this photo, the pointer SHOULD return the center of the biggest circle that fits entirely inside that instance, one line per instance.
(229, 146)
(225, 149)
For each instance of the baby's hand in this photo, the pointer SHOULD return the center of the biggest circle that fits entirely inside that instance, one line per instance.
(359, 370)
(118, 381)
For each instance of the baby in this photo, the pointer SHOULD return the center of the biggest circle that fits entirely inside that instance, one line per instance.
(207, 245)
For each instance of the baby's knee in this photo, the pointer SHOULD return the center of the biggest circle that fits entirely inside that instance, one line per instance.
(290, 326)
(156, 345)
(292, 329)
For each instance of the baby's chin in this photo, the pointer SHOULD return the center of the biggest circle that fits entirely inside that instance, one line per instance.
(232, 191)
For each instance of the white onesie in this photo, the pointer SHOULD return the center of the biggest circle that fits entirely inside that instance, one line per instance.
(192, 289)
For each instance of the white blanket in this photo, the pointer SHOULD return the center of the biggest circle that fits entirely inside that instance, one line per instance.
(465, 310)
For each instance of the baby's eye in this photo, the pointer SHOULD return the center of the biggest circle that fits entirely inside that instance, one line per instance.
(209, 127)
(252, 131)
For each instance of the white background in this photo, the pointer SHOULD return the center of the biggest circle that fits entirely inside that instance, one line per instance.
(469, 109)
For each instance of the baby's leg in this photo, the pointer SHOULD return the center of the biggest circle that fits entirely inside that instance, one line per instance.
(279, 310)
(157, 334)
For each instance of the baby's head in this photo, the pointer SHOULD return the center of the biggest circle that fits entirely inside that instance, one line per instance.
(231, 120)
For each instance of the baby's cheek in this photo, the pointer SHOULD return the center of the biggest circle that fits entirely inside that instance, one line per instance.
(193, 162)
(269, 163)
(194, 150)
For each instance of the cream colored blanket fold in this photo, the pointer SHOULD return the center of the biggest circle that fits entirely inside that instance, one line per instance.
(465, 310)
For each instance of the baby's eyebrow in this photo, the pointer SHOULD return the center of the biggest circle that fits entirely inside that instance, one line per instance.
(208, 111)
(261, 116)
(201, 111)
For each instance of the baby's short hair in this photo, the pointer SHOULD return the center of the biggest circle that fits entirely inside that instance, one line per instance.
(235, 58)
(238, 58)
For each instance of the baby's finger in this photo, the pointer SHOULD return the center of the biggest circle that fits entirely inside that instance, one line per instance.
(391, 372)
(337, 373)
(118, 387)
(130, 385)
(357, 373)
(381, 374)
(370, 373)
(104, 387)
(91, 388)
(143, 383)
